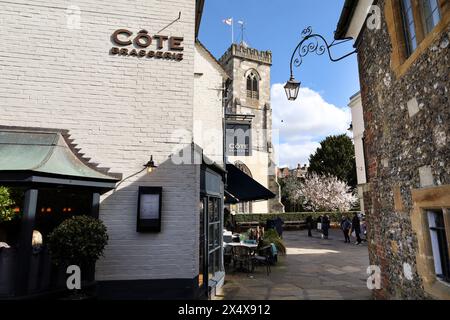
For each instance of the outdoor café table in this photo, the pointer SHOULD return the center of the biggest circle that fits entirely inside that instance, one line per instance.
(246, 259)
(237, 244)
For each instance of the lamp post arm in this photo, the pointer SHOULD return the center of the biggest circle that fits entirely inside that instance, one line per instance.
(303, 49)
(298, 47)
(293, 55)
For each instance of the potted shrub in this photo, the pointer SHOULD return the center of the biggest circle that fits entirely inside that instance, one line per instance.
(271, 236)
(79, 241)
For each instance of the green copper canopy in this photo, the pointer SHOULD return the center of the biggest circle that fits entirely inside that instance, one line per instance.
(44, 152)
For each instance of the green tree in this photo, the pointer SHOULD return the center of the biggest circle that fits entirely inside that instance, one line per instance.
(336, 157)
(6, 205)
(290, 187)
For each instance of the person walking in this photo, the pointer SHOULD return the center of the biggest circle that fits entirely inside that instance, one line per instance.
(279, 226)
(325, 226)
(346, 226)
(356, 227)
(319, 223)
(309, 225)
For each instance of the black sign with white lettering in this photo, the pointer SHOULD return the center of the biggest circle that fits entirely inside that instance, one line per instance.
(238, 140)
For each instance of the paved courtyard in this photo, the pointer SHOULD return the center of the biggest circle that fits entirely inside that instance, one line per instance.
(313, 269)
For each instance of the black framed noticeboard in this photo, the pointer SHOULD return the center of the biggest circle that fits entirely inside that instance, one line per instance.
(149, 209)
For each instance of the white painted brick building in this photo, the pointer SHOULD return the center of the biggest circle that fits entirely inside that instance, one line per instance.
(56, 71)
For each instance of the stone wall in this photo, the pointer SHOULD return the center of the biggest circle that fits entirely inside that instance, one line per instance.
(238, 62)
(406, 143)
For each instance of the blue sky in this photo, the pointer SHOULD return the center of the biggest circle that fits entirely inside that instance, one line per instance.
(276, 25)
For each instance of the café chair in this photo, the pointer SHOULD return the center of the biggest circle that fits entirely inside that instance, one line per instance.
(264, 258)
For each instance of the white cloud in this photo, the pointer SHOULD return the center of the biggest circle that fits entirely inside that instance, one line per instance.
(290, 154)
(303, 123)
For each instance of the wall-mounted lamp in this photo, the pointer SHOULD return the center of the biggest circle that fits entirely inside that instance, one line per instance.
(150, 166)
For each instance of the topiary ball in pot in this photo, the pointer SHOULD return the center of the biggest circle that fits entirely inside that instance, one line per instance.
(79, 240)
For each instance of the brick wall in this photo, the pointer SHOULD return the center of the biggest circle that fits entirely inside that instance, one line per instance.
(119, 110)
(208, 105)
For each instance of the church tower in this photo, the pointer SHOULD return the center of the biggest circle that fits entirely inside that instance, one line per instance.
(248, 108)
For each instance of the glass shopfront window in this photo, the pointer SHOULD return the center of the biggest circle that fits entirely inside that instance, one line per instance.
(214, 236)
(201, 277)
(211, 225)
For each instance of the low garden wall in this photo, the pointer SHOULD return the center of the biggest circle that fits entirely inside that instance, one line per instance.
(297, 216)
(292, 220)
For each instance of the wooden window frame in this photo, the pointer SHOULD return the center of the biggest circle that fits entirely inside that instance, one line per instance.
(215, 223)
(424, 200)
(400, 60)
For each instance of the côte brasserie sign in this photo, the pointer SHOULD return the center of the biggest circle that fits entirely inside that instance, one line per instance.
(144, 45)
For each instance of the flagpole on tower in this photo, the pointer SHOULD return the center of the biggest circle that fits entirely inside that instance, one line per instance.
(242, 23)
(230, 22)
(232, 31)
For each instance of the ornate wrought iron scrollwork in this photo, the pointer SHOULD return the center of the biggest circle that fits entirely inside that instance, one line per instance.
(308, 45)
(314, 43)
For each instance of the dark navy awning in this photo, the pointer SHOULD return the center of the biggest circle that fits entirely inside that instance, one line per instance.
(230, 199)
(243, 188)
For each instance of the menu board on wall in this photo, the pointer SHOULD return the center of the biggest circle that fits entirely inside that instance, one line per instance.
(149, 209)
(149, 206)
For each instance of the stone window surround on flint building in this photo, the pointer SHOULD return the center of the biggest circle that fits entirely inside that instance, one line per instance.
(423, 200)
(400, 60)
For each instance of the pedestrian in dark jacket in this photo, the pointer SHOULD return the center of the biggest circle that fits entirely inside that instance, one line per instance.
(356, 227)
(325, 226)
(279, 226)
(346, 226)
(309, 225)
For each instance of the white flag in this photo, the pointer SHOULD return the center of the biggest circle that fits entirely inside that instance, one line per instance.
(228, 21)
(241, 22)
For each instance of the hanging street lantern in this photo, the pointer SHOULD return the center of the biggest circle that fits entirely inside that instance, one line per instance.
(292, 87)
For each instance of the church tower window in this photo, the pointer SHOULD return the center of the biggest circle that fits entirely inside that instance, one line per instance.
(253, 86)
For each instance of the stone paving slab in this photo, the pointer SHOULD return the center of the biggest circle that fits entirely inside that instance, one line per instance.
(313, 269)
